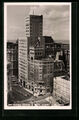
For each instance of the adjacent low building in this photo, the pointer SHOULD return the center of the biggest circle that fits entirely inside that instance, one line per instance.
(61, 89)
(59, 68)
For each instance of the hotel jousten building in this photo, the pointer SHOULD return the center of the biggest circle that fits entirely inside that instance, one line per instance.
(36, 61)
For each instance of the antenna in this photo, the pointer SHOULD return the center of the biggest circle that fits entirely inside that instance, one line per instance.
(33, 11)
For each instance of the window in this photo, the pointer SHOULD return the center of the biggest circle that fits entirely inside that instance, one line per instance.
(32, 89)
(41, 90)
(29, 86)
(31, 58)
(35, 89)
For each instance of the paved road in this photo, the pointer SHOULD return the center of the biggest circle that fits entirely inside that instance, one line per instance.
(21, 96)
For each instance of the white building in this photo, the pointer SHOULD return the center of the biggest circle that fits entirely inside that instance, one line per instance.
(22, 61)
(61, 89)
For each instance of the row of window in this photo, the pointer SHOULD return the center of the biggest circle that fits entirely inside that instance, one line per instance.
(23, 61)
(22, 46)
(23, 65)
(38, 54)
(22, 41)
(23, 54)
(62, 85)
(23, 73)
(62, 95)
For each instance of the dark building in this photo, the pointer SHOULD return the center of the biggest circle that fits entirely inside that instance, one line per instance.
(34, 26)
(65, 57)
(12, 57)
(49, 46)
(34, 29)
(65, 46)
(62, 53)
(12, 68)
(57, 46)
(59, 68)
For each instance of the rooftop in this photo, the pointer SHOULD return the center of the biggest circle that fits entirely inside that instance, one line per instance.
(48, 39)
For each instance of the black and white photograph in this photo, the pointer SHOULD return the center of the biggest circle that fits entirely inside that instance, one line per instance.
(37, 55)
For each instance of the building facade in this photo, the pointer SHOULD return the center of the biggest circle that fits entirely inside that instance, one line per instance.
(36, 53)
(41, 76)
(12, 66)
(61, 90)
(59, 68)
(49, 46)
(34, 26)
(34, 29)
(12, 57)
(23, 63)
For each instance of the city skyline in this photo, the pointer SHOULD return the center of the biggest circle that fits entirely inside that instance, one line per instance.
(55, 20)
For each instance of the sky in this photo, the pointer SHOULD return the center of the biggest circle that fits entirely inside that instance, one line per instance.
(55, 20)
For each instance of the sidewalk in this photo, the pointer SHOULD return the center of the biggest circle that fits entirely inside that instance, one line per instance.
(28, 90)
(52, 100)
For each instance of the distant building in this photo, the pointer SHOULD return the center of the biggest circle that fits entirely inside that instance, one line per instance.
(12, 64)
(49, 46)
(59, 68)
(62, 52)
(65, 57)
(12, 57)
(57, 47)
(65, 46)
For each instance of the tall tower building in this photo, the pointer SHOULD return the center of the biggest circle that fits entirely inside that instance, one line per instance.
(34, 26)
(34, 29)
(38, 81)
(35, 69)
